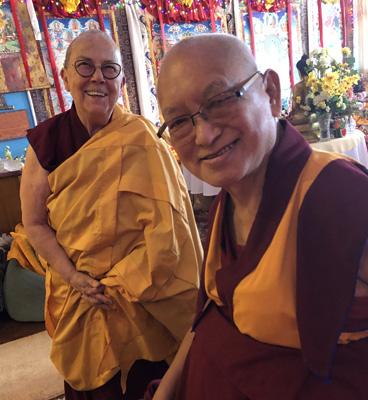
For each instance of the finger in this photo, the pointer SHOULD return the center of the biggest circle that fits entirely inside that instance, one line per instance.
(103, 299)
(95, 283)
(90, 299)
(92, 291)
(97, 303)
(99, 298)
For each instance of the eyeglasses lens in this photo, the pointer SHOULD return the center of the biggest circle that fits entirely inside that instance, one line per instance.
(109, 71)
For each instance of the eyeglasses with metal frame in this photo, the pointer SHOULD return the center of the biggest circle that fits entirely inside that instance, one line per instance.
(86, 69)
(214, 109)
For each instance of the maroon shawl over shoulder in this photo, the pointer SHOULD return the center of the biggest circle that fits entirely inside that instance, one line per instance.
(57, 138)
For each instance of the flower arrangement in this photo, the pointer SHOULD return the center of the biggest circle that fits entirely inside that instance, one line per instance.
(329, 84)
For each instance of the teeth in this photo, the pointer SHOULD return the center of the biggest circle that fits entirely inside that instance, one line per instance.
(91, 93)
(220, 153)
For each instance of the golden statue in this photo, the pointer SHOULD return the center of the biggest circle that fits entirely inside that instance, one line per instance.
(297, 116)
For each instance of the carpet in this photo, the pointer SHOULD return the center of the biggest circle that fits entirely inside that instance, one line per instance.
(26, 372)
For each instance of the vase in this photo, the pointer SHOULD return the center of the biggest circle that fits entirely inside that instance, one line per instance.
(324, 121)
(337, 127)
(351, 125)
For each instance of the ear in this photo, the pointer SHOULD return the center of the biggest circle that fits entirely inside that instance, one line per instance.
(64, 77)
(272, 86)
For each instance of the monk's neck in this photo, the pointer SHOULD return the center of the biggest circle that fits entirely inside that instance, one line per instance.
(94, 126)
(245, 201)
(246, 195)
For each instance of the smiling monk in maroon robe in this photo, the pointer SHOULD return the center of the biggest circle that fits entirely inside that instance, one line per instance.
(282, 311)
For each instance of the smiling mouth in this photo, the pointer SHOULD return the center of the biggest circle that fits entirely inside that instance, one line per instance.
(94, 93)
(220, 152)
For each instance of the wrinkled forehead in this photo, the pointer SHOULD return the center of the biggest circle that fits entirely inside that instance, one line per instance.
(96, 48)
(191, 80)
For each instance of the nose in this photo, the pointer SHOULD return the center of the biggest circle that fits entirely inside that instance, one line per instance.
(205, 132)
(97, 75)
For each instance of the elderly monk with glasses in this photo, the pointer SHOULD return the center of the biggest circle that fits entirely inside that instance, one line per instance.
(282, 311)
(104, 203)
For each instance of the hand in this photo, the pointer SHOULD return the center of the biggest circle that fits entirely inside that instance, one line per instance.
(151, 389)
(92, 290)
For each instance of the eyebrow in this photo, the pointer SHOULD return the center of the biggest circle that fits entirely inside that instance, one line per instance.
(83, 58)
(211, 89)
(170, 110)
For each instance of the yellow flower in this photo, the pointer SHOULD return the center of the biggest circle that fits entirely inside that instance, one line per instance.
(346, 51)
(328, 83)
(298, 99)
(186, 3)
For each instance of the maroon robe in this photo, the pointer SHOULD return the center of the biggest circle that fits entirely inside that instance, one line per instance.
(57, 138)
(332, 232)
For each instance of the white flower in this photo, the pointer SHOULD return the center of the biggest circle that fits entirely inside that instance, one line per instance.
(324, 61)
(320, 98)
(324, 51)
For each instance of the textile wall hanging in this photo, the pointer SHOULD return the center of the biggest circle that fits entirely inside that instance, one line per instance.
(126, 51)
(69, 8)
(333, 29)
(297, 36)
(327, 27)
(20, 64)
(177, 31)
(173, 34)
(143, 66)
(185, 11)
(314, 37)
(276, 40)
(360, 38)
(40, 105)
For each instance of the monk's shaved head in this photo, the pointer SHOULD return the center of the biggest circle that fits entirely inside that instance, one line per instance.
(206, 52)
(89, 36)
(219, 109)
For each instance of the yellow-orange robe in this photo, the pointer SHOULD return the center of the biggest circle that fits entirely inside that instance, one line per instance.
(23, 252)
(120, 209)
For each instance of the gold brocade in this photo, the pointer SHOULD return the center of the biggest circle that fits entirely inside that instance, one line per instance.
(121, 211)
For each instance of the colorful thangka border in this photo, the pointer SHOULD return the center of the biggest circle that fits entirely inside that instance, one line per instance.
(13, 77)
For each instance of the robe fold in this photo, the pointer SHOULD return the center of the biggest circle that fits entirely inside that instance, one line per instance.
(23, 252)
(120, 210)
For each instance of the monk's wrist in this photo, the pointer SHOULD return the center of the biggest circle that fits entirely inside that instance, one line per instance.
(68, 274)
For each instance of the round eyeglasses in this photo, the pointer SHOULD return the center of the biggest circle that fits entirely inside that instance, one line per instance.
(86, 69)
